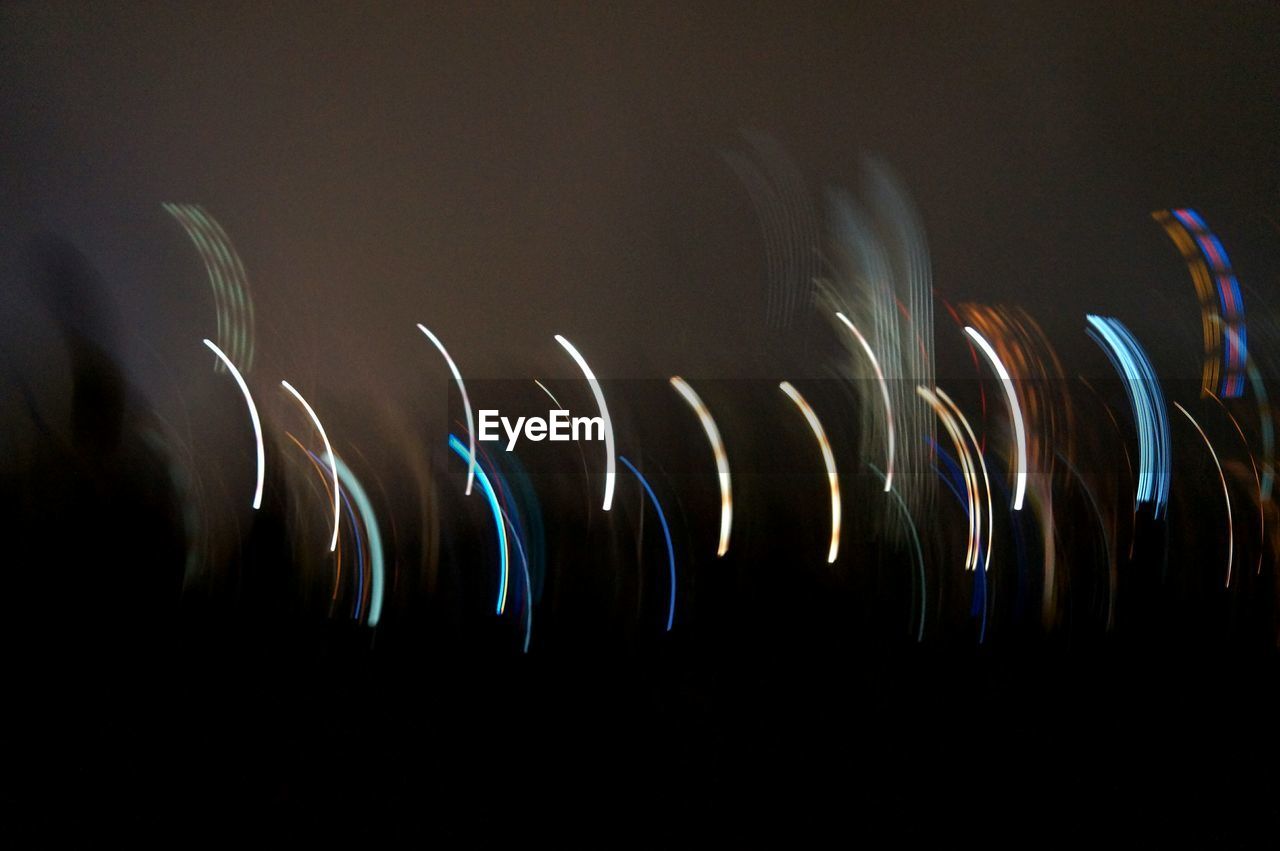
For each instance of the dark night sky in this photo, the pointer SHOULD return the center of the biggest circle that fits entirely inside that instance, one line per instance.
(514, 172)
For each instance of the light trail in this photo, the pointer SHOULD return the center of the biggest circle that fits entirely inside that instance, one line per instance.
(666, 534)
(1231, 535)
(466, 403)
(1015, 413)
(884, 392)
(611, 467)
(498, 520)
(722, 459)
(833, 480)
(253, 415)
(333, 463)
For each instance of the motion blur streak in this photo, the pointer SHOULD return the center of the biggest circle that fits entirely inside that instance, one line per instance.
(329, 456)
(1015, 414)
(370, 522)
(551, 395)
(1231, 536)
(666, 534)
(982, 462)
(1143, 388)
(974, 548)
(253, 415)
(1222, 318)
(611, 467)
(915, 540)
(884, 392)
(828, 459)
(722, 459)
(233, 305)
(466, 404)
(498, 521)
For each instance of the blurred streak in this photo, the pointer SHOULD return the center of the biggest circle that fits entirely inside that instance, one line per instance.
(974, 548)
(1266, 425)
(915, 539)
(880, 279)
(788, 223)
(328, 493)
(332, 460)
(1222, 317)
(666, 535)
(372, 535)
(1015, 414)
(722, 459)
(253, 415)
(1143, 388)
(611, 473)
(550, 394)
(986, 480)
(233, 304)
(884, 392)
(1231, 537)
(1257, 481)
(466, 404)
(499, 519)
(828, 459)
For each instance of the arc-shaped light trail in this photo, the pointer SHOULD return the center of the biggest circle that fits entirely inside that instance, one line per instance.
(466, 404)
(369, 520)
(611, 467)
(549, 394)
(722, 459)
(974, 548)
(253, 415)
(915, 538)
(329, 457)
(666, 534)
(1231, 536)
(1015, 414)
(1152, 421)
(884, 392)
(982, 462)
(498, 519)
(833, 480)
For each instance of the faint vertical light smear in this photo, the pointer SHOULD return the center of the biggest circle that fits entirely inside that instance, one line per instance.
(884, 393)
(721, 457)
(828, 459)
(1015, 414)
(1231, 536)
(466, 404)
(253, 415)
(666, 534)
(233, 303)
(332, 460)
(498, 519)
(915, 539)
(611, 467)
(1150, 417)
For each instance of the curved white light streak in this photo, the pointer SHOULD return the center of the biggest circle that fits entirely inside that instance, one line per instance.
(986, 480)
(722, 459)
(1015, 411)
(253, 415)
(611, 465)
(884, 392)
(827, 458)
(466, 403)
(550, 394)
(333, 461)
(1231, 535)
